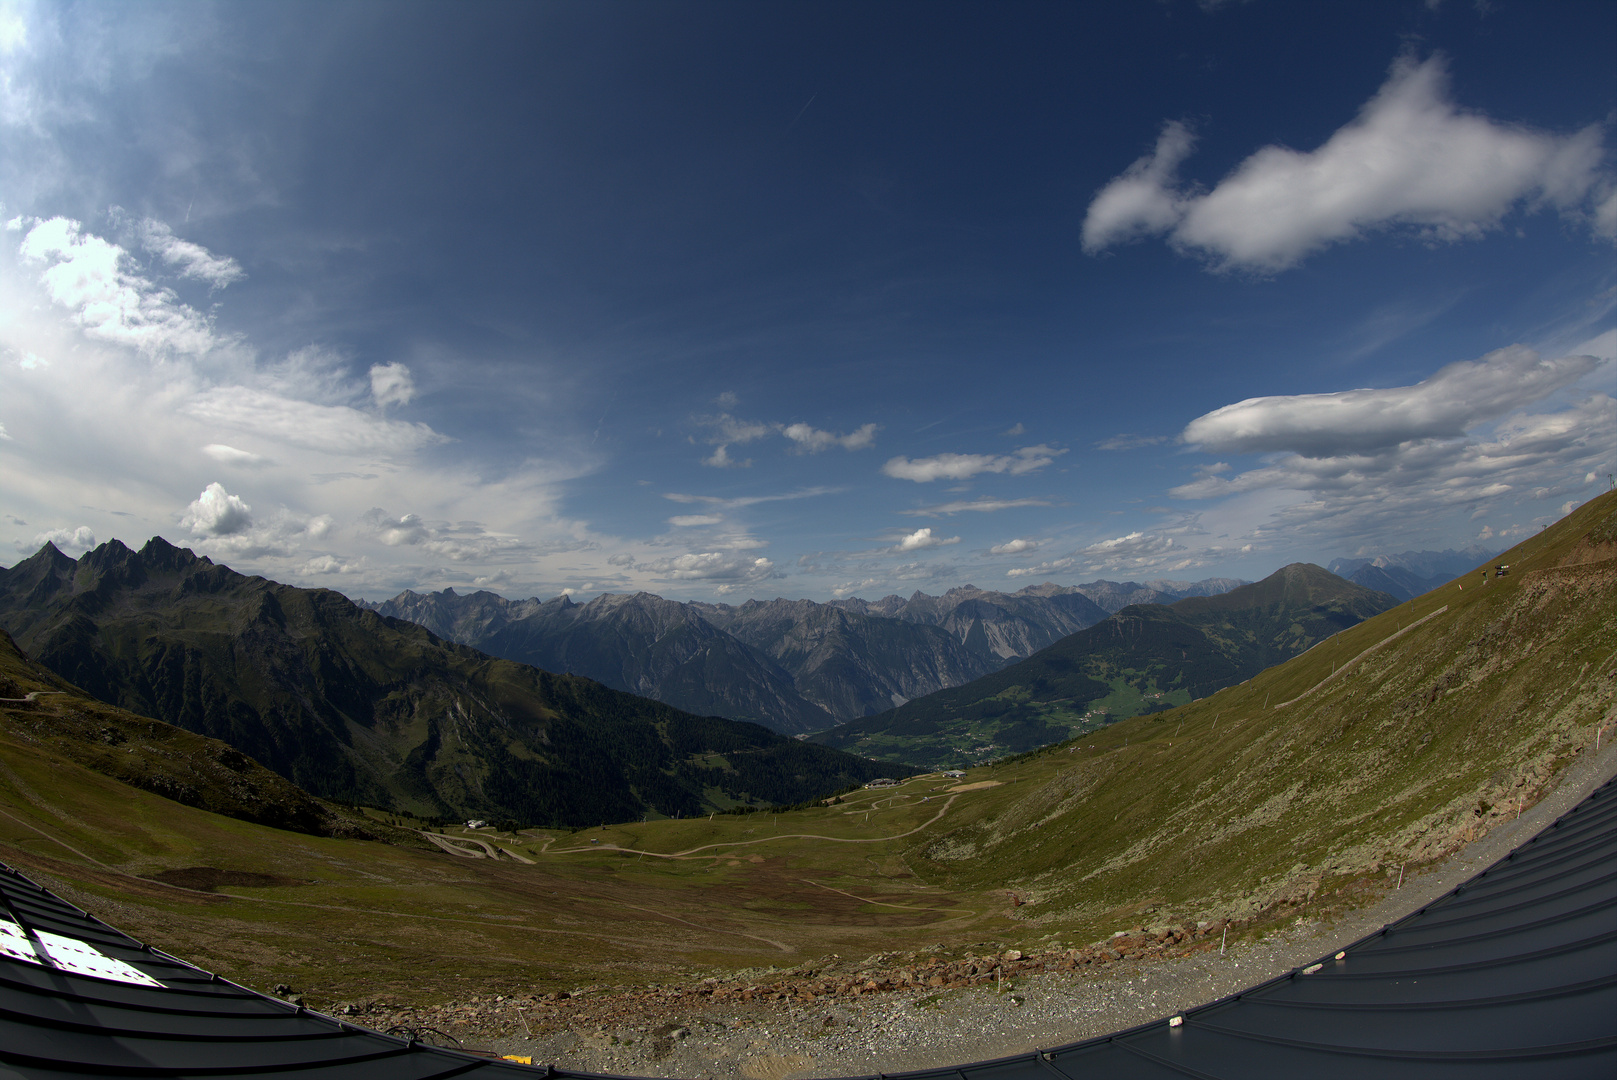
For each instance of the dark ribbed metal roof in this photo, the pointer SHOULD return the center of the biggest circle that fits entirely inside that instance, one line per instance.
(1512, 974)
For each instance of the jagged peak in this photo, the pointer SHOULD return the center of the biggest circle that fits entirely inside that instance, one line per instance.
(48, 555)
(111, 550)
(159, 552)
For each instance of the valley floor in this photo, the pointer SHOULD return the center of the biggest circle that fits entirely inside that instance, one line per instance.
(669, 1033)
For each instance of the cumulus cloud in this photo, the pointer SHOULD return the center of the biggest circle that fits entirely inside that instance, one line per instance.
(1014, 547)
(920, 540)
(392, 531)
(95, 280)
(983, 505)
(811, 440)
(1411, 158)
(965, 466)
(80, 539)
(1455, 399)
(192, 260)
(1143, 200)
(216, 512)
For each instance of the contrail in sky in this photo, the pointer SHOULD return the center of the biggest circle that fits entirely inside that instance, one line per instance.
(803, 110)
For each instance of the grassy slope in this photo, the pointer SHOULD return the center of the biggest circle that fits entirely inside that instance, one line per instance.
(1229, 806)
(1234, 802)
(1145, 658)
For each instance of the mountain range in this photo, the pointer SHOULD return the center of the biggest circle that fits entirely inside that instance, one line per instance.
(1302, 793)
(355, 706)
(795, 666)
(1144, 658)
(1411, 573)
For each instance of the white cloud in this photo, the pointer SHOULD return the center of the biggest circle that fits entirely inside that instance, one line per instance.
(965, 466)
(337, 429)
(983, 505)
(1452, 401)
(726, 429)
(80, 539)
(811, 440)
(216, 512)
(1603, 345)
(392, 531)
(748, 500)
(323, 565)
(1053, 567)
(192, 260)
(848, 588)
(229, 455)
(921, 539)
(1014, 547)
(90, 277)
(721, 459)
(13, 28)
(1142, 201)
(727, 569)
(1375, 494)
(686, 521)
(458, 541)
(1410, 159)
(1127, 441)
(391, 384)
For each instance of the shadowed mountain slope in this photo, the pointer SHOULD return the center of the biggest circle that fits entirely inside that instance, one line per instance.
(639, 643)
(44, 711)
(1145, 658)
(351, 705)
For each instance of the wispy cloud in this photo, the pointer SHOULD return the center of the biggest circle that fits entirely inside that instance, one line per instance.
(749, 500)
(1126, 441)
(984, 505)
(95, 279)
(965, 466)
(190, 259)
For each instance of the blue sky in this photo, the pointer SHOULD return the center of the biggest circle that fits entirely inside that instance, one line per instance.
(728, 300)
